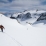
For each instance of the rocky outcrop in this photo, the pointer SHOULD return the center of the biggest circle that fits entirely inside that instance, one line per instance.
(42, 17)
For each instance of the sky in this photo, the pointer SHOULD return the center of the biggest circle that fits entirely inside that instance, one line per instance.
(21, 5)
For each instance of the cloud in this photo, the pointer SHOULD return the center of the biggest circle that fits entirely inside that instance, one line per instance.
(3, 1)
(20, 5)
(43, 2)
(6, 1)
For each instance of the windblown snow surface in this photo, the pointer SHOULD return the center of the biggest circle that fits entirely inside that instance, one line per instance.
(16, 34)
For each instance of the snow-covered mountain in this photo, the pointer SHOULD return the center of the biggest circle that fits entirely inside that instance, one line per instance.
(31, 16)
(41, 19)
(16, 34)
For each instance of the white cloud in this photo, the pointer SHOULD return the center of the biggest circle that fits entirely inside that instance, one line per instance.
(23, 4)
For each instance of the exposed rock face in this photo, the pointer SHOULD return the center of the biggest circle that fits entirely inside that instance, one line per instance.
(24, 16)
(19, 16)
(42, 17)
(28, 15)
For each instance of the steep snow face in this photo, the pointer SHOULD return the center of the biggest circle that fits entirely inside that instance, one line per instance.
(16, 34)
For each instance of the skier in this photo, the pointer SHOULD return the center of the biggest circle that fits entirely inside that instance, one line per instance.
(2, 27)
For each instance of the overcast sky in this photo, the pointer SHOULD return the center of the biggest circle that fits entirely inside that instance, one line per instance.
(21, 5)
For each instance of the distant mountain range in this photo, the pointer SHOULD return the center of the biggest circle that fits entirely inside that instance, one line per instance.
(32, 16)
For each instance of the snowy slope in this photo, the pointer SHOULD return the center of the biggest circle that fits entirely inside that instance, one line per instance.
(16, 34)
(6, 39)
